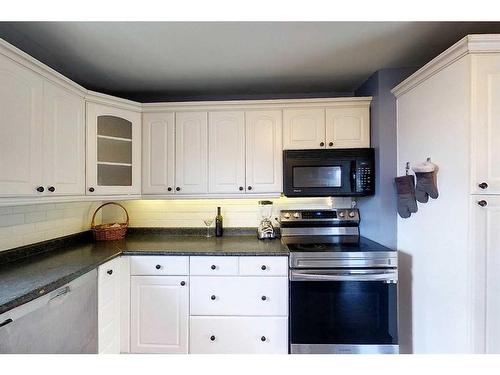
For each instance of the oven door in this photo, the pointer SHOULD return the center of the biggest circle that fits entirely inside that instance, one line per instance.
(343, 311)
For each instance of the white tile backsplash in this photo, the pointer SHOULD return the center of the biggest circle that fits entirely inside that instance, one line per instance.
(23, 225)
(191, 212)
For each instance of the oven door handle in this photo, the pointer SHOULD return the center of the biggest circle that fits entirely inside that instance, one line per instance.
(389, 276)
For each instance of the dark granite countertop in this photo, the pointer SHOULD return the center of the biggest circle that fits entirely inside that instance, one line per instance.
(32, 271)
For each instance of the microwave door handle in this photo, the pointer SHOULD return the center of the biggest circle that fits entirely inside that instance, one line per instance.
(387, 276)
(353, 176)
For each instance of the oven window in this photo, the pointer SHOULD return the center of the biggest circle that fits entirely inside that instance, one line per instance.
(343, 312)
(317, 177)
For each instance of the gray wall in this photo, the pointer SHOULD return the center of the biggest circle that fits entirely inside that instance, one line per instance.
(378, 213)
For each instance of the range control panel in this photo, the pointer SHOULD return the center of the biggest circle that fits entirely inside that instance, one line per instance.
(336, 214)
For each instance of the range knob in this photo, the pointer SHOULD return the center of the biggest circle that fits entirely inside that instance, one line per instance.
(286, 215)
(296, 215)
(341, 214)
(352, 214)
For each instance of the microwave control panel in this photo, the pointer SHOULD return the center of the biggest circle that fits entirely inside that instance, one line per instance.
(364, 178)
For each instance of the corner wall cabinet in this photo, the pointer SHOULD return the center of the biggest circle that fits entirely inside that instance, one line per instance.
(455, 94)
(113, 150)
(42, 135)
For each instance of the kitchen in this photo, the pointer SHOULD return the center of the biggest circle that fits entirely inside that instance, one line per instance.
(264, 224)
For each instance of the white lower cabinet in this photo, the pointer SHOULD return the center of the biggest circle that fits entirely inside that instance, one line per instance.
(238, 335)
(108, 302)
(159, 314)
(205, 304)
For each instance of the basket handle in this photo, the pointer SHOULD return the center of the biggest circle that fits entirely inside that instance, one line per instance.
(92, 224)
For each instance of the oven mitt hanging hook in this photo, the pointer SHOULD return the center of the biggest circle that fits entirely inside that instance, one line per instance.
(405, 187)
(426, 181)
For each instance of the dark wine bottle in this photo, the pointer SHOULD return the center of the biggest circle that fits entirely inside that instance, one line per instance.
(218, 224)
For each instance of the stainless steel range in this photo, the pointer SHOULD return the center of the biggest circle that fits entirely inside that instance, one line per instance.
(343, 287)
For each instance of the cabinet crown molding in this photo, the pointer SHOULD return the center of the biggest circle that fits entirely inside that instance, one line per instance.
(470, 44)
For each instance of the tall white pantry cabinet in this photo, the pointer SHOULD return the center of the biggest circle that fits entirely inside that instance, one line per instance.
(449, 110)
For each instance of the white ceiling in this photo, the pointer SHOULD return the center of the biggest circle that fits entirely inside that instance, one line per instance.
(153, 61)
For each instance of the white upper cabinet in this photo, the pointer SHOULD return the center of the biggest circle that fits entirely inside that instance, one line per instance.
(485, 124)
(21, 132)
(264, 152)
(191, 154)
(303, 128)
(347, 127)
(113, 150)
(64, 141)
(158, 153)
(226, 152)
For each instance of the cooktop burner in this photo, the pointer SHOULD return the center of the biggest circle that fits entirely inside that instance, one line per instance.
(332, 244)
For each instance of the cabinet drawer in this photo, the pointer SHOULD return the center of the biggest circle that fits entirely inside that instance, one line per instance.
(243, 335)
(264, 266)
(250, 296)
(159, 265)
(214, 266)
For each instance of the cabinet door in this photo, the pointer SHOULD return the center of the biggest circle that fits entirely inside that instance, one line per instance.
(264, 152)
(191, 141)
(20, 130)
(64, 141)
(159, 314)
(226, 152)
(485, 243)
(303, 128)
(109, 307)
(158, 153)
(113, 150)
(485, 130)
(348, 127)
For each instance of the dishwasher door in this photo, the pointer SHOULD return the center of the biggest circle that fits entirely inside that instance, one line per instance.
(63, 321)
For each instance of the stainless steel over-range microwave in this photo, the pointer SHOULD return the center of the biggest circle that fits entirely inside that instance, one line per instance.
(335, 172)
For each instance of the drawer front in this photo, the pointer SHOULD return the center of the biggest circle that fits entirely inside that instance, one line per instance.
(264, 266)
(159, 265)
(250, 296)
(238, 335)
(214, 266)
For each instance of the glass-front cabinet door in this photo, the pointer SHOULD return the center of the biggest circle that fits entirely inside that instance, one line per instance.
(113, 150)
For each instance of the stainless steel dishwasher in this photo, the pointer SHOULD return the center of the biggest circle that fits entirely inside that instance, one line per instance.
(63, 321)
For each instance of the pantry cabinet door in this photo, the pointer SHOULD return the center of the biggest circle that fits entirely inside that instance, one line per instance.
(21, 132)
(264, 153)
(485, 126)
(159, 314)
(485, 252)
(158, 153)
(303, 128)
(348, 127)
(226, 150)
(64, 141)
(191, 153)
(113, 150)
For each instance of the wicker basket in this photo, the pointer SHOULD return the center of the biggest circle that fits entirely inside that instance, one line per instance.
(109, 232)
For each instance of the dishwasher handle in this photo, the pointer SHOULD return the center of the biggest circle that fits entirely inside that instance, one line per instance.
(387, 275)
(61, 292)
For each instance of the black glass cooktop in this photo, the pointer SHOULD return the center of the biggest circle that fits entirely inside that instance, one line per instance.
(332, 244)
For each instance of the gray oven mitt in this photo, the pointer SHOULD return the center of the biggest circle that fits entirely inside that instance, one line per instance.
(426, 186)
(405, 187)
